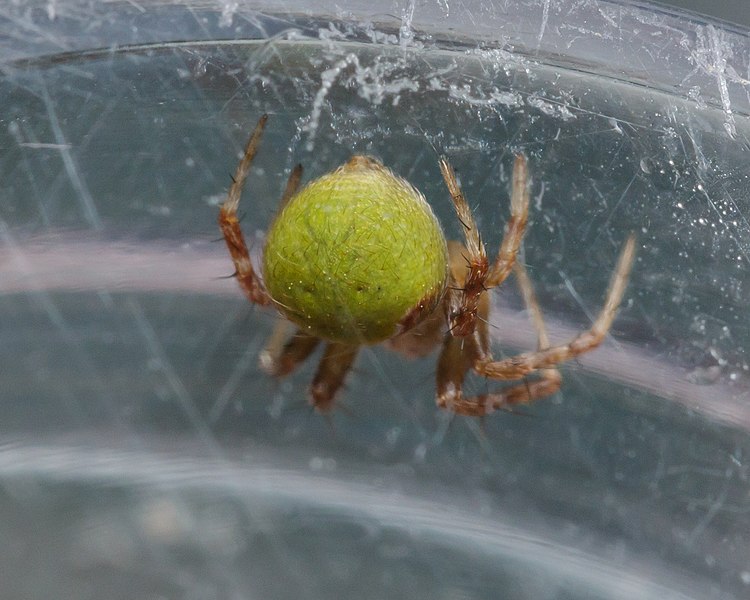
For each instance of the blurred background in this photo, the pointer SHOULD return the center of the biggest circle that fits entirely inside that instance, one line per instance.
(144, 454)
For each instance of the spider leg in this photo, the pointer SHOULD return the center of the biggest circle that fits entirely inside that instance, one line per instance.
(457, 357)
(336, 363)
(480, 275)
(229, 223)
(460, 354)
(464, 298)
(454, 361)
(473, 244)
(516, 226)
(283, 354)
(545, 358)
(292, 184)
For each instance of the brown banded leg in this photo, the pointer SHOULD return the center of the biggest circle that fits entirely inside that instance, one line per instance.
(522, 365)
(484, 404)
(284, 353)
(480, 276)
(229, 223)
(453, 364)
(459, 355)
(336, 363)
(456, 358)
(516, 226)
(542, 363)
(464, 296)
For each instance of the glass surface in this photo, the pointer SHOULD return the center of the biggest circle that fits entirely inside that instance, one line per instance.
(143, 453)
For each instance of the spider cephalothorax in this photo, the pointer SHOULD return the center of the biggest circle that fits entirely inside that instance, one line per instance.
(357, 257)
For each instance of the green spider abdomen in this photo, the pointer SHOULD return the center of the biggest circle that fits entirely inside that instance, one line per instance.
(356, 255)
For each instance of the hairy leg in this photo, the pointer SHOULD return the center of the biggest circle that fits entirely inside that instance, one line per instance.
(337, 361)
(479, 274)
(463, 296)
(460, 354)
(521, 365)
(229, 223)
(456, 358)
(516, 227)
(284, 353)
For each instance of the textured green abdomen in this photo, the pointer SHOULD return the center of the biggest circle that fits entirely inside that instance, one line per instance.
(354, 253)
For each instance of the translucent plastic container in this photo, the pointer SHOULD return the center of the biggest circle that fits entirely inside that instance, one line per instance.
(143, 453)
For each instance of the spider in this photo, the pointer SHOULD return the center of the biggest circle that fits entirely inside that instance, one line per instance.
(357, 257)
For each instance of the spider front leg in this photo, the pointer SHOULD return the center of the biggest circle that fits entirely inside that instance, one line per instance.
(229, 223)
(480, 275)
(461, 354)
